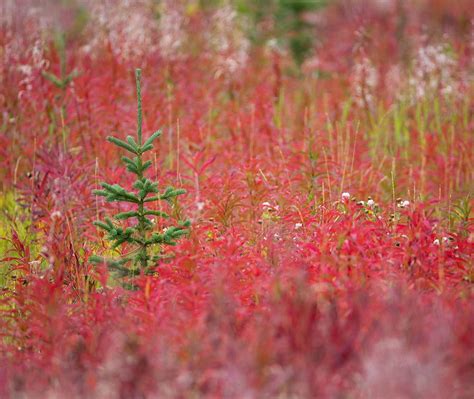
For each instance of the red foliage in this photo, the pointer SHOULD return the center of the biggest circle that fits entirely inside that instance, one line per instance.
(285, 287)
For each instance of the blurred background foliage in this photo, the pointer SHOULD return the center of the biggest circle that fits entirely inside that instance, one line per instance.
(287, 22)
(296, 26)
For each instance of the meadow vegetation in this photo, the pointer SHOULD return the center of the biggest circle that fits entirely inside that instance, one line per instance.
(326, 152)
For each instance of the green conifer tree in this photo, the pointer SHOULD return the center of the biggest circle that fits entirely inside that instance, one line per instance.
(140, 236)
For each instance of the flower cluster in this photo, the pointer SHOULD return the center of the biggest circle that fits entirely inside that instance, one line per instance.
(365, 79)
(229, 46)
(172, 32)
(433, 70)
(128, 27)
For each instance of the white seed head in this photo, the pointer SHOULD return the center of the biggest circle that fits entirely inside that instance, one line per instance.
(56, 215)
(403, 204)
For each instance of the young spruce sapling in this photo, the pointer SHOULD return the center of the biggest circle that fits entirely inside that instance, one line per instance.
(140, 235)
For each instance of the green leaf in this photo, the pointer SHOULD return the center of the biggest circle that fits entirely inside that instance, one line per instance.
(171, 192)
(132, 142)
(118, 193)
(186, 223)
(53, 79)
(151, 199)
(132, 169)
(96, 259)
(156, 213)
(126, 215)
(68, 79)
(179, 191)
(102, 225)
(100, 193)
(152, 138)
(129, 161)
(132, 164)
(156, 239)
(146, 165)
(122, 144)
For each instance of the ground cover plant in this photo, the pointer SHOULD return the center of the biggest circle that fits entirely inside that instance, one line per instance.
(326, 151)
